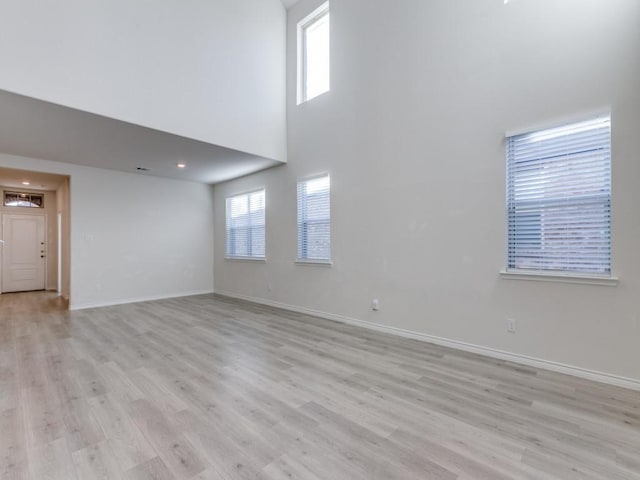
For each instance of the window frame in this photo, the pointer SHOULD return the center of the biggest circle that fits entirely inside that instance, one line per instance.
(315, 16)
(305, 260)
(557, 275)
(250, 258)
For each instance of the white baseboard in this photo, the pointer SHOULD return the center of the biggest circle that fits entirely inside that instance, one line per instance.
(123, 301)
(596, 376)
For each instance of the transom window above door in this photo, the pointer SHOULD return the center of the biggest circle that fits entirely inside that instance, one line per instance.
(25, 200)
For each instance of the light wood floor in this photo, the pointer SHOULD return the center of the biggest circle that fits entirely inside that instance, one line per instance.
(210, 388)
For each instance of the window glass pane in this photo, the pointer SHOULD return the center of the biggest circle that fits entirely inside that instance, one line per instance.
(315, 46)
(11, 199)
(238, 206)
(257, 241)
(317, 57)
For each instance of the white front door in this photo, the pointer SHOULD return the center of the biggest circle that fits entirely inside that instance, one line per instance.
(23, 252)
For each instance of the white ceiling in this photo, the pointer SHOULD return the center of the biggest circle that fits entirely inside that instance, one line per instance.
(10, 178)
(38, 129)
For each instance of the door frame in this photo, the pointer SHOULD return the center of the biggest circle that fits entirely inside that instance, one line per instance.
(46, 243)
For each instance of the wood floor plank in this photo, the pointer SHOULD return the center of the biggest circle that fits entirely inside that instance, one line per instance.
(80, 426)
(287, 468)
(118, 383)
(173, 448)
(52, 461)
(127, 443)
(154, 469)
(13, 454)
(225, 444)
(96, 462)
(208, 387)
(42, 414)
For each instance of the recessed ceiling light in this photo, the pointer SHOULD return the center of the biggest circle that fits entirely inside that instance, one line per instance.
(181, 165)
(26, 183)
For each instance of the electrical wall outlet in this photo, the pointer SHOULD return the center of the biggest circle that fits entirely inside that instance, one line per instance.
(375, 304)
(512, 326)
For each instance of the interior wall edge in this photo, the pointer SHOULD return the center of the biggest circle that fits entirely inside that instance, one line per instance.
(124, 301)
(575, 371)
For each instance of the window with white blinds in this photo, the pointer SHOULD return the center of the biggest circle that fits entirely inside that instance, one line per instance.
(314, 219)
(245, 225)
(559, 199)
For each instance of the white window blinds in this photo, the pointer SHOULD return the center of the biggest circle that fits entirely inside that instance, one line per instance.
(245, 225)
(314, 219)
(559, 199)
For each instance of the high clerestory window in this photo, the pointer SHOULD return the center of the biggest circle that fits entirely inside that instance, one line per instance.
(314, 54)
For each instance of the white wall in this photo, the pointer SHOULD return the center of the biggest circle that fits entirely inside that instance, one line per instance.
(51, 236)
(63, 208)
(133, 237)
(412, 134)
(212, 70)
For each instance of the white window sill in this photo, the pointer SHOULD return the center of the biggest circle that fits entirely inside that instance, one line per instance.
(310, 261)
(246, 259)
(561, 278)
